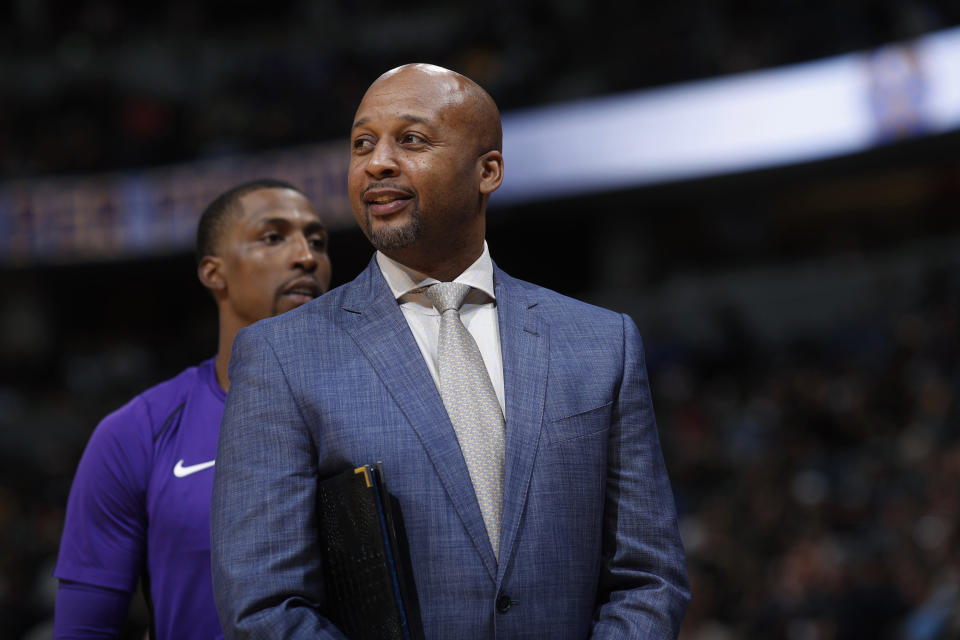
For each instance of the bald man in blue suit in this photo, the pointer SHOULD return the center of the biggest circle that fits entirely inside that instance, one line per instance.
(586, 544)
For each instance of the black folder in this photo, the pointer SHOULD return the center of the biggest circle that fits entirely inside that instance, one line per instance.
(369, 589)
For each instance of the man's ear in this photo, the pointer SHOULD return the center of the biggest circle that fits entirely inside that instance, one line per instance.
(491, 172)
(210, 272)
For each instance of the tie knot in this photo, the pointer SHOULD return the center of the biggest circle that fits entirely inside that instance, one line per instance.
(447, 295)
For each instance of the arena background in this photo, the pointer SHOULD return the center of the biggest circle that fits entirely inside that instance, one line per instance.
(801, 317)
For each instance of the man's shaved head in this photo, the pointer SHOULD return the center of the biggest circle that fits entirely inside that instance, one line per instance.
(470, 99)
(425, 157)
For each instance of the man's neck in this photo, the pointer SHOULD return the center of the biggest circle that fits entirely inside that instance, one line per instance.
(221, 364)
(445, 269)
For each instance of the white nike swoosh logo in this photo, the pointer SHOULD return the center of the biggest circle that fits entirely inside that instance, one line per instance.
(182, 472)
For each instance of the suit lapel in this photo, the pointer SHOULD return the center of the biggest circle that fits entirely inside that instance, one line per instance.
(525, 345)
(375, 322)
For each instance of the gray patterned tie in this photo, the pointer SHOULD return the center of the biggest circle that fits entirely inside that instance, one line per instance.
(472, 405)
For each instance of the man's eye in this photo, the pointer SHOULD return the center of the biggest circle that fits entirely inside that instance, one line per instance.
(320, 243)
(272, 237)
(362, 144)
(411, 138)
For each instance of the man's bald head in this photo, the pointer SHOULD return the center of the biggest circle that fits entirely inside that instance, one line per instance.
(469, 100)
(425, 157)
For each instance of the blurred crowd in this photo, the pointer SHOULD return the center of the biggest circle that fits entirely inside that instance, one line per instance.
(104, 84)
(819, 484)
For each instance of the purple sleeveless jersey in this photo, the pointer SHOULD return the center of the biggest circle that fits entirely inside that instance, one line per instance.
(140, 503)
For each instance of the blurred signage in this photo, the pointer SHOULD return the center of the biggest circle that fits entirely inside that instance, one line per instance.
(749, 121)
(723, 125)
(154, 211)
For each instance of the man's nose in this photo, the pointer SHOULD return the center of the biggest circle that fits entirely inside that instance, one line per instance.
(382, 162)
(303, 256)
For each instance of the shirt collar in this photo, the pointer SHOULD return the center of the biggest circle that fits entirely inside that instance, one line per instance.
(402, 279)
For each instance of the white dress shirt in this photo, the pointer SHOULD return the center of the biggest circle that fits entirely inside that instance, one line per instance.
(478, 313)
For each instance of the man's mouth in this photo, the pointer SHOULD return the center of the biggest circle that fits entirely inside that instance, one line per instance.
(383, 202)
(302, 289)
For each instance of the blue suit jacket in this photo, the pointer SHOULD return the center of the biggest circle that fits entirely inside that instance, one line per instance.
(589, 535)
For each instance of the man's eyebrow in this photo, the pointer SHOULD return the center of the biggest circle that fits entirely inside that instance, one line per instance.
(311, 227)
(403, 116)
(412, 118)
(276, 220)
(314, 227)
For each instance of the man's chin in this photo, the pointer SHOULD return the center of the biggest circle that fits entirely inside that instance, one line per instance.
(289, 302)
(388, 239)
(388, 236)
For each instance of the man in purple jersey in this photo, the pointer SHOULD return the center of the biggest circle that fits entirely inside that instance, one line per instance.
(139, 505)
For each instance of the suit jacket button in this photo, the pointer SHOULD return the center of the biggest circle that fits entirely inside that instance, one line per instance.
(504, 603)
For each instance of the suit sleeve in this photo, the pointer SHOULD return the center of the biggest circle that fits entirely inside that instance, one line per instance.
(266, 571)
(644, 589)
